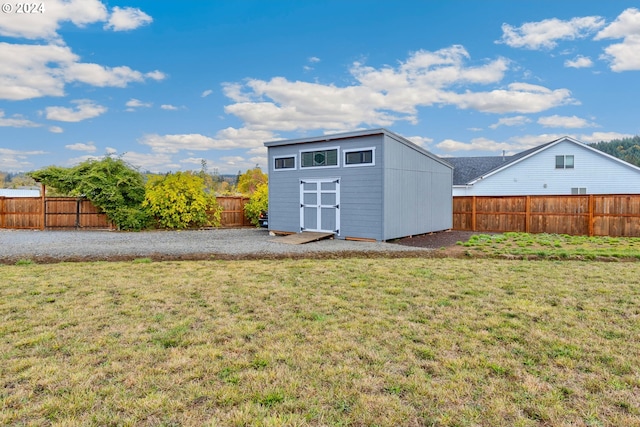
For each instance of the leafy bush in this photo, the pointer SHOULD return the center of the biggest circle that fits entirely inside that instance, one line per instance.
(180, 200)
(110, 184)
(249, 181)
(258, 202)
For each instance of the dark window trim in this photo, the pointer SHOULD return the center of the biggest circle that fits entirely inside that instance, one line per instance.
(316, 152)
(359, 150)
(563, 164)
(275, 162)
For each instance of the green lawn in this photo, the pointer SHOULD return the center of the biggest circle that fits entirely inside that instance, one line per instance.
(353, 342)
(554, 246)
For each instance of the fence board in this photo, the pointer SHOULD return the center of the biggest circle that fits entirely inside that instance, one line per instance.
(21, 212)
(599, 215)
(75, 213)
(233, 211)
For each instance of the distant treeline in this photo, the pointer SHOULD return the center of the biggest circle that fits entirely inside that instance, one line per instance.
(627, 149)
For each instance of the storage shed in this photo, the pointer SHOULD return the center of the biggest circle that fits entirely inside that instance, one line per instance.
(370, 184)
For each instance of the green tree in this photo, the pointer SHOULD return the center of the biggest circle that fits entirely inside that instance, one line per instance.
(627, 149)
(180, 200)
(258, 202)
(110, 183)
(248, 182)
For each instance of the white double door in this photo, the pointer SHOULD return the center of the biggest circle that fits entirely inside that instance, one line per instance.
(320, 205)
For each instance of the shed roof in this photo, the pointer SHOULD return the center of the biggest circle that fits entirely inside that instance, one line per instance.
(358, 134)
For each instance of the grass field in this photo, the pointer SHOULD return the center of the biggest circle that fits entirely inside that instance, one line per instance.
(354, 342)
(553, 246)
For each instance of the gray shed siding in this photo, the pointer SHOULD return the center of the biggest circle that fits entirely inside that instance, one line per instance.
(360, 188)
(406, 192)
(417, 192)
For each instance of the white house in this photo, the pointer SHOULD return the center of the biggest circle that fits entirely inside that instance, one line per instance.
(10, 192)
(563, 166)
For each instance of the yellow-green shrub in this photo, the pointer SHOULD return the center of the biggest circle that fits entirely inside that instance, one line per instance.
(180, 200)
(258, 202)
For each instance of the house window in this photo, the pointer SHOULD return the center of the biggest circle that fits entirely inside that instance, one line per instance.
(564, 162)
(579, 190)
(285, 162)
(363, 157)
(322, 158)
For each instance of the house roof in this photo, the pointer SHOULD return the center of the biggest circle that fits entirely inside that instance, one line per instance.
(468, 170)
(357, 134)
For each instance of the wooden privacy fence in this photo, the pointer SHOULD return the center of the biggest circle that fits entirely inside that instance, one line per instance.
(591, 215)
(52, 213)
(233, 211)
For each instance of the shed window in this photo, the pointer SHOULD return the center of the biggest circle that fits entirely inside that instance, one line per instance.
(319, 158)
(285, 162)
(579, 190)
(564, 162)
(358, 157)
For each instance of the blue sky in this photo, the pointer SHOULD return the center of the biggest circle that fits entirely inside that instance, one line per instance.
(166, 84)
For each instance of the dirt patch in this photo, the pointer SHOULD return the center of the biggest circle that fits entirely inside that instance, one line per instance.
(444, 243)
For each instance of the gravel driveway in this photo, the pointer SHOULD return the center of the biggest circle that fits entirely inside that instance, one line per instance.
(245, 243)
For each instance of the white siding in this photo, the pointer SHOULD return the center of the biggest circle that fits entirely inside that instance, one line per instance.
(537, 175)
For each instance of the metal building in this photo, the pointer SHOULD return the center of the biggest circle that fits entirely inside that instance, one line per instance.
(370, 184)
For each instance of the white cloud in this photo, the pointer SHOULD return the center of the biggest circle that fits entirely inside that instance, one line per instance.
(517, 98)
(206, 93)
(76, 160)
(314, 59)
(169, 107)
(383, 96)
(476, 144)
(579, 62)
(16, 121)
(55, 129)
(34, 71)
(192, 161)
(225, 139)
(85, 109)
(98, 75)
(603, 136)
(626, 24)
(420, 140)
(45, 25)
(546, 34)
(623, 56)
(232, 160)
(262, 150)
(154, 162)
(17, 160)
(127, 18)
(517, 144)
(134, 103)
(569, 122)
(511, 121)
(90, 147)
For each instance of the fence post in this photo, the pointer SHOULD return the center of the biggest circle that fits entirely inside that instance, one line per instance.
(473, 213)
(591, 217)
(527, 214)
(43, 220)
(2, 214)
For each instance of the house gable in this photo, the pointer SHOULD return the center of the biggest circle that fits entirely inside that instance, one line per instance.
(535, 172)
